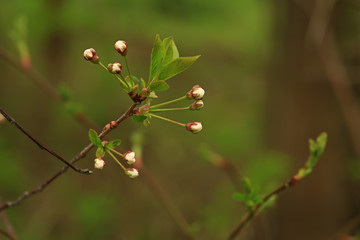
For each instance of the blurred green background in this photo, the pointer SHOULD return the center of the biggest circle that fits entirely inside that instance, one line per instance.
(275, 74)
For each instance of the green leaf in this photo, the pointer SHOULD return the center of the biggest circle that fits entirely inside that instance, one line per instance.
(94, 138)
(270, 202)
(139, 118)
(152, 95)
(176, 66)
(157, 55)
(248, 189)
(240, 197)
(116, 143)
(100, 152)
(171, 51)
(158, 86)
(64, 93)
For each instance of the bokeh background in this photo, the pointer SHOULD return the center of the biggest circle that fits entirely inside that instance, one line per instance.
(275, 73)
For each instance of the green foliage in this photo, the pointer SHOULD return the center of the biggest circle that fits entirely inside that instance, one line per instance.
(139, 118)
(250, 197)
(94, 138)
(165, 60)
(316, 150)
(158, 86)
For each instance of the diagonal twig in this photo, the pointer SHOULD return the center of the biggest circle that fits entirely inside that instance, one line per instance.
(6, 234)
(41, 146)
(82, 154)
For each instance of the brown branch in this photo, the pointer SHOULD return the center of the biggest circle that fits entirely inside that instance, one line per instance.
(82, 154)
(6, 234)
(8, 225)
(45, 85)
(41, 146)
(170, 207)
(251, 214)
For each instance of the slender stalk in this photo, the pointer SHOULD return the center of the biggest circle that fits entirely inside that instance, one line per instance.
(81, 155)
(165, 103)
(122, 77)
(9, 227)
(166, 119)
(112, 155)
(169, 109)
(113, 150)
(41, 146)
(103, 66)
(121, 81)
(127, 66)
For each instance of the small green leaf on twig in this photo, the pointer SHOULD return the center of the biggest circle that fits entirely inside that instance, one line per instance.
(158, 86)
(139, 118)
(176, 66)
(94, 138)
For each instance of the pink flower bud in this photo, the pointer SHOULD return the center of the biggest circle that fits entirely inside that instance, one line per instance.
(121, 47)
(99, 163)
(197, 105)
(90, 55)
(129, 157)
(132, 172)
(194, 127)
(114, 68)
(196, 93)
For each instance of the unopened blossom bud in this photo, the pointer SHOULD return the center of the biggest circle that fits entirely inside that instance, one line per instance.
(132, 172)
(194, 127)
(114, 68)
(2, 118)
(129, 157)
(90, 55)
(121, 47)
(99, 163)
(197, 105)
(133, 92)
(144, 94)
(196, 93)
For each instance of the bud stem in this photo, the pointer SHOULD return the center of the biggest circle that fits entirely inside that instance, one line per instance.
(169, 109)
(166, 119)
(128, 68)
(165, 103)
(121, 81)
(113, 150)
(112, 155)
(122, 77)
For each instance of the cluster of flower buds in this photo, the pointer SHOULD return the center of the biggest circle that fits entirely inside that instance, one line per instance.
(114, 68)
(90, 55)
(121, 47)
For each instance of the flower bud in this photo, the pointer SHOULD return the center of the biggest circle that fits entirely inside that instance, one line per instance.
(121, 47)
(132, 172)
(99, 163)
(197, 105)
(129, 157)
(90, 55)
(196, 93)
(2, 118)
(114, 68)
(194, 127)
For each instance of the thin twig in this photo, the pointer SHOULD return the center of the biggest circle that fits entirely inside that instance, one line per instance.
(170, 207)
(6, 234)
(7, 223)
(41, 146)
(82, 154)
(251, 214)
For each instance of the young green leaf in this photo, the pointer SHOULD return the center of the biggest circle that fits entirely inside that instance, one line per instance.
(240, 197)
(94, 138)
(116, 143)
(158, 86)
(248, 189)
(152, 95)
(139, 118)
(171, 51)
(176, 66)
(100, 152)
(157, 56)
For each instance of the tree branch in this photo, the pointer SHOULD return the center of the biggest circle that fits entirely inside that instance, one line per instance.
(82, 154)
(251, 214)
(6, 234)
(41, 146)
